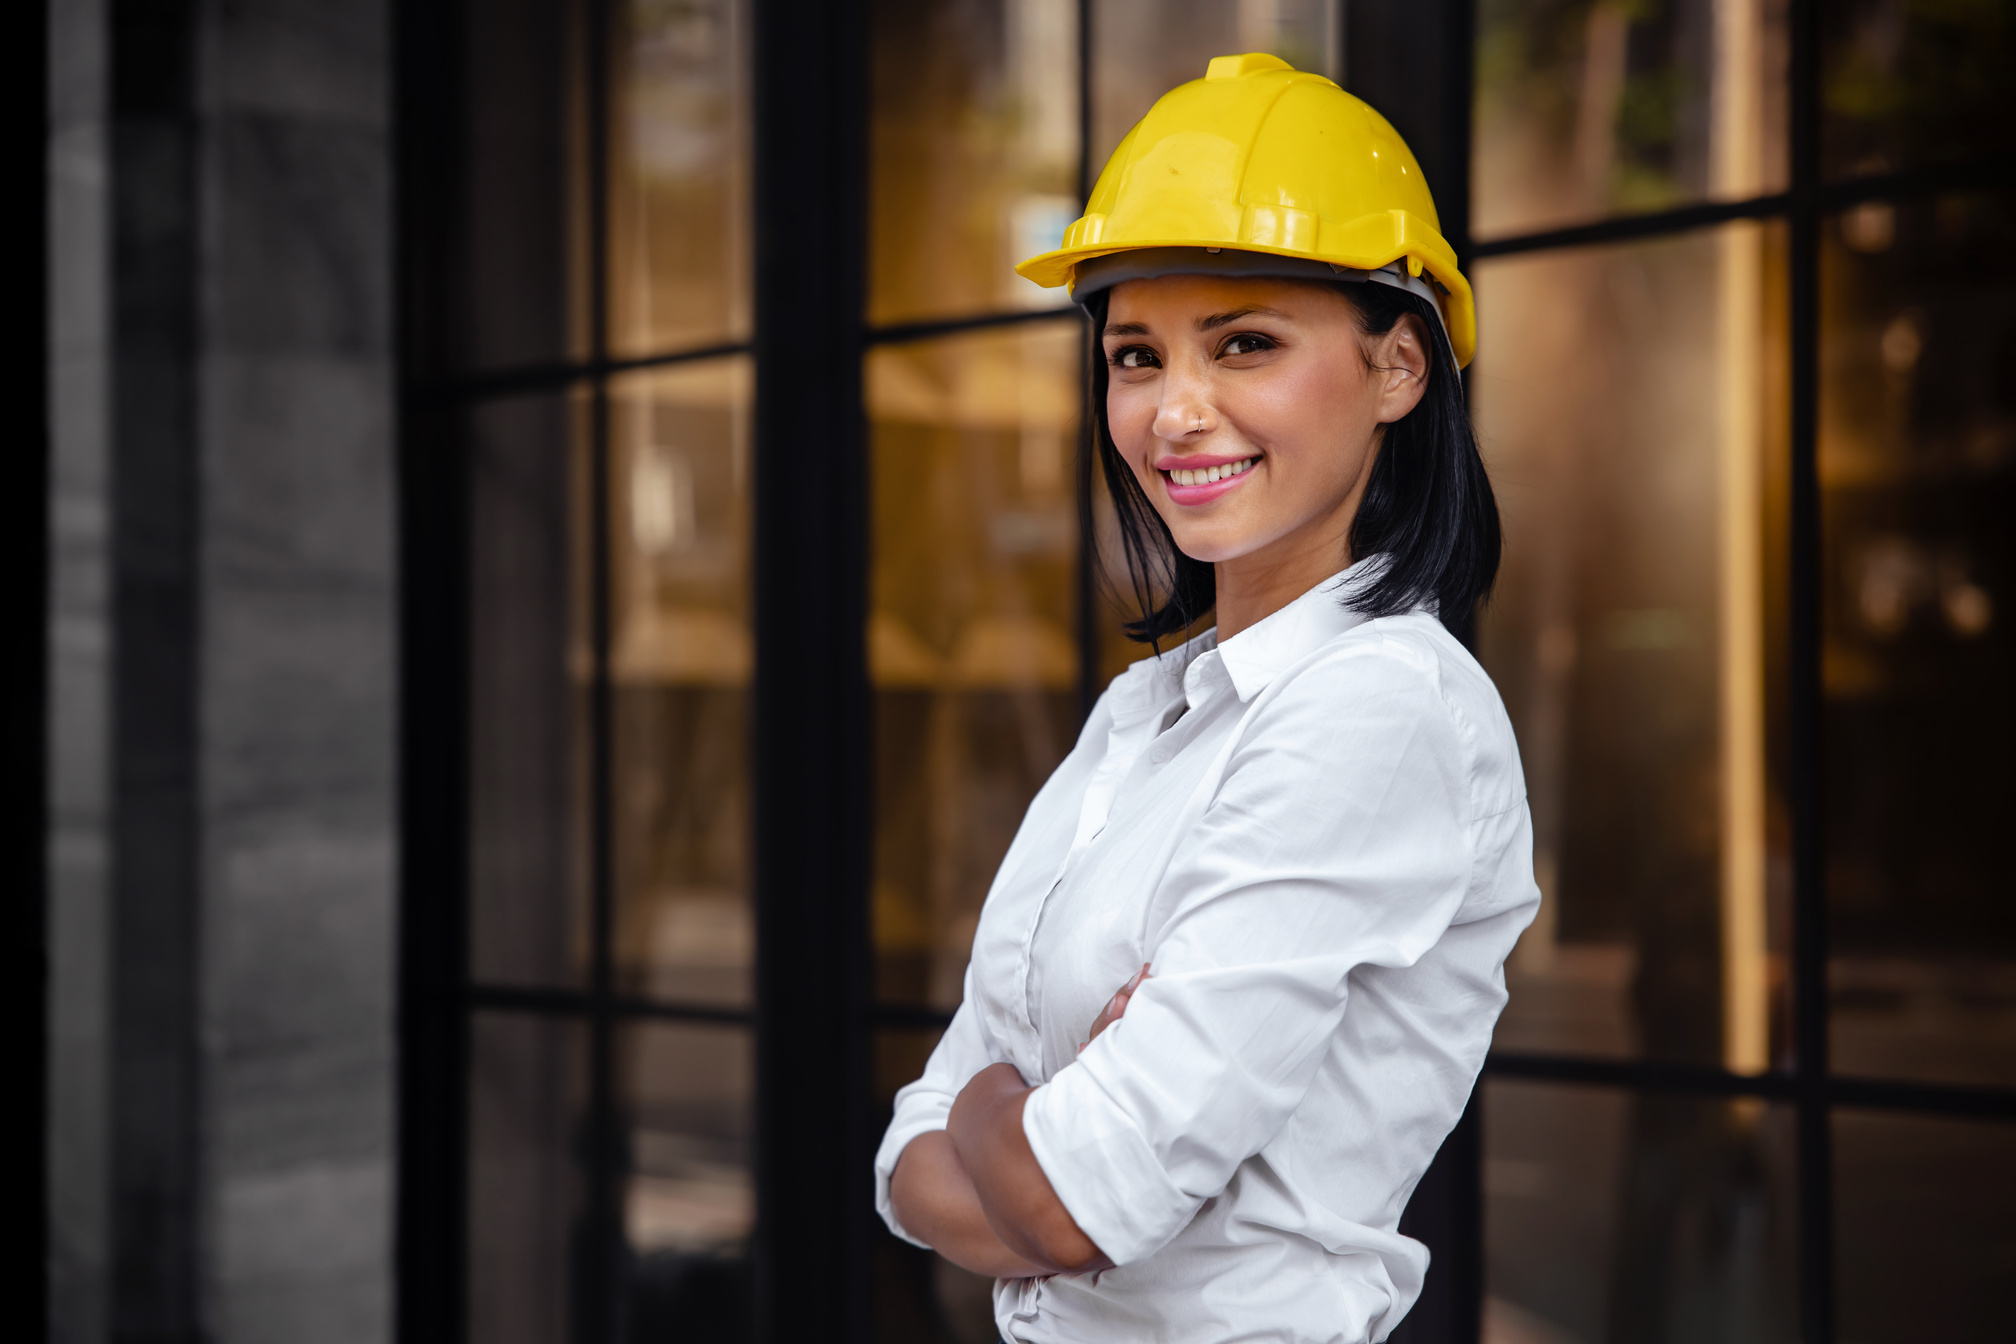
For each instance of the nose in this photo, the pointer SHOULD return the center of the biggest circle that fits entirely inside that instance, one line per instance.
(1185, 412)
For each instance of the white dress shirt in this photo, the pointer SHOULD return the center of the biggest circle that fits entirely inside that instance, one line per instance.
(1317, 833)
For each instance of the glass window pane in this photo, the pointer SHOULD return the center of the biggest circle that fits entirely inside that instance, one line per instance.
(974, 152)
(1144, 48)
(526, 1193)
(527, 715)
(1593, 107)
(1630, 403)
(919, 1295)
(1917, 460)
(971, 637)
(1617, 1217)
(689, 1199)
(1905, 83)
(681, 660)
(678, 174)
(515, 258)
(1924, 1228)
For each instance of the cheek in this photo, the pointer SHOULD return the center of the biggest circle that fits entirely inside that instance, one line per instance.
(1130, 418)
(1307, 407)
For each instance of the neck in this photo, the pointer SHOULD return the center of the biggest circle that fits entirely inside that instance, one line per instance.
(1254, 587)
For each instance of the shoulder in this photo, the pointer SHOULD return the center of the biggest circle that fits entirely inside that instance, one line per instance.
(1411, 673)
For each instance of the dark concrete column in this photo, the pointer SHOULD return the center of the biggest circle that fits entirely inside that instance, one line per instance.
(221, 890)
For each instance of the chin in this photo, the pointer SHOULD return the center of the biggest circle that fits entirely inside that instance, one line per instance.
(1211, 547)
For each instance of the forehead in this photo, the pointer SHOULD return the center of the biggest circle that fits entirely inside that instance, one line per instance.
(1184, 299)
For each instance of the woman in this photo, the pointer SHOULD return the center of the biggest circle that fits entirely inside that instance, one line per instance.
(1297, 844)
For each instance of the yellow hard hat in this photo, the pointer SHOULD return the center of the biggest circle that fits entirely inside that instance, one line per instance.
(1268, 162)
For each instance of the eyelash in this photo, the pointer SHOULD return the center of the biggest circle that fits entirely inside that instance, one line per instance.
(1126, 352)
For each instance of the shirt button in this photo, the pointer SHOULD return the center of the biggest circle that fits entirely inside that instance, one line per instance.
(1160, 756)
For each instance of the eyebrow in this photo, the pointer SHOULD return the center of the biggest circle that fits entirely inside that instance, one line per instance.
(1216, 320)
(1211, 322)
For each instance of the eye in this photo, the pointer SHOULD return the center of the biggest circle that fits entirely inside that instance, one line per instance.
(1246, 343)
(1135, 357)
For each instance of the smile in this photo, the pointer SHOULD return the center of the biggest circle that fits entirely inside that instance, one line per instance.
(1203, 483)
(1206, 475)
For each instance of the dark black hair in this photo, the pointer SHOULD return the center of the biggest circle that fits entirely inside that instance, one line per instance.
(1428, 505)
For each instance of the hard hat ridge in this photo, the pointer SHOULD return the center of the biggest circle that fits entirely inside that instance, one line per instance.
(1258, 158)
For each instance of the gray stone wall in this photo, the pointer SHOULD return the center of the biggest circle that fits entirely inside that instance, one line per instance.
(79, 802)
(223, 726)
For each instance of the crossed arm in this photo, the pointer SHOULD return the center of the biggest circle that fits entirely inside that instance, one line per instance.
(975, 1192)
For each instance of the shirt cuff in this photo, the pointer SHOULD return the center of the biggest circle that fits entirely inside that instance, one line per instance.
(1103, 1169)
(920, 1117)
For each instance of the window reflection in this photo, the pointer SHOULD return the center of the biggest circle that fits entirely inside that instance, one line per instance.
(1906, 83)
(679, 174)
(1917, 460)
(527, 1085)
(1622, 1218)
(514, 265)
(1629, 400)
(681, 662)
(527, 697)
(689, 1200)
(1144, 48)
(1925, 1234)
(971, 643)
(974, 152)
(921, 1297)
(1586, 108)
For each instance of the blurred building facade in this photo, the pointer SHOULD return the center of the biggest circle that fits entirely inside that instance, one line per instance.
(571, 551)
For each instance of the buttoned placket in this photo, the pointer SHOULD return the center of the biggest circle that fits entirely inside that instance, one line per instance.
(1156, 698)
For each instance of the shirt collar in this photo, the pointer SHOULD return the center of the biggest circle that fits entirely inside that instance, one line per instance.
(1262, 651)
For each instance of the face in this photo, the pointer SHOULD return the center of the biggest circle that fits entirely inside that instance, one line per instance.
(1250, 411)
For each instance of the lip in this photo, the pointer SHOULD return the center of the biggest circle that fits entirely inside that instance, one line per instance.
(1194, 495)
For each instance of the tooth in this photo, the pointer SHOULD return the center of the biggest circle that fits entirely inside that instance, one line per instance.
(1219, 473)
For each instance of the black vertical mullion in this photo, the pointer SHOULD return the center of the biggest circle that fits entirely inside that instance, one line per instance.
(1465, 1145)
(596, 1275)
(812, 740)
(1089, 655)
(1809, 895)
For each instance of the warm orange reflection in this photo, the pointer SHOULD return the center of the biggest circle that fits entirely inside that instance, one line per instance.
(681, 660)
(971, 643)
(1917, 461)
(1144, 48)
(1597, 107)
(1629, 403)
(687, 1092)
(974, 152)
(678, 174)
(1623, 1218)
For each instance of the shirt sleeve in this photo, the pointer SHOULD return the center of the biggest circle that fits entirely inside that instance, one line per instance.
(923, 1106)
(1339, 837)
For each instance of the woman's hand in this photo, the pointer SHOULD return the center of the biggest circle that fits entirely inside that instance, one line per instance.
(1017, 1198)
(1116, 1007)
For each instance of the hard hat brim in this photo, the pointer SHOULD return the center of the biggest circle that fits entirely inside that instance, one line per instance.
(1419, 253)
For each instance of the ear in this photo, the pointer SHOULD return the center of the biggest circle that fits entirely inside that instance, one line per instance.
(1400, 361)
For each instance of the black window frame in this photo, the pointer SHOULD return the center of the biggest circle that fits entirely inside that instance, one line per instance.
(812, 748)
